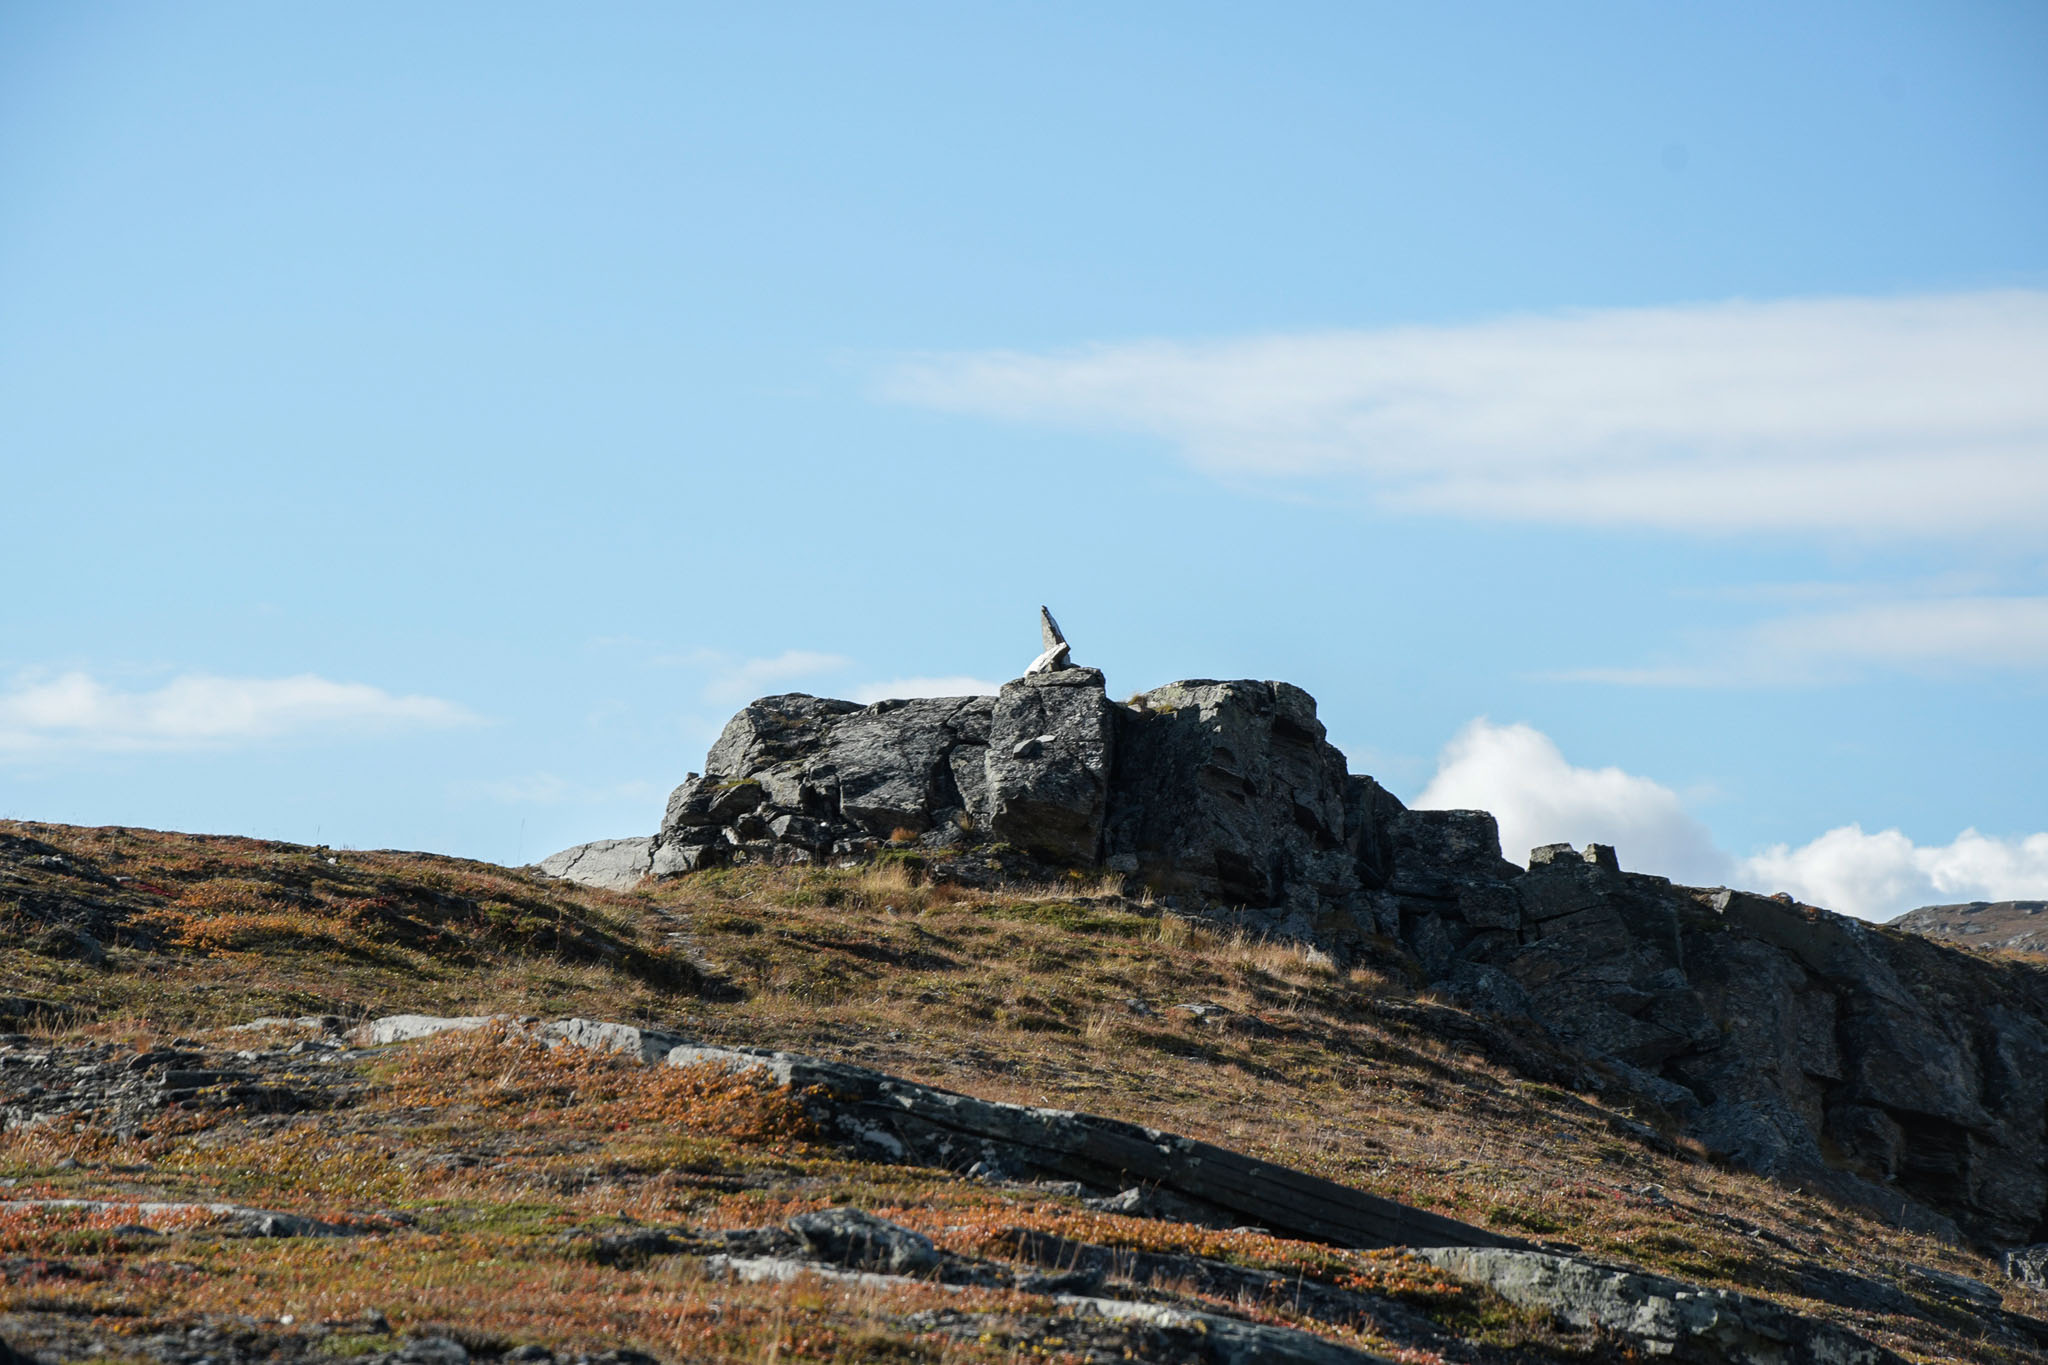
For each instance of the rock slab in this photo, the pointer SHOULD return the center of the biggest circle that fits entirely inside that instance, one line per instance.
(1681, 1321)
(905, 1121)
(611, 864)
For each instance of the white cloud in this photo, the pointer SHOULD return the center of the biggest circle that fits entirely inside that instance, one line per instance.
(1934, 635)
(954, 686)
(1909, 415)
(77, 711)
(1519, 774)
(751, 678)
(1878, 876)
(1999, 632)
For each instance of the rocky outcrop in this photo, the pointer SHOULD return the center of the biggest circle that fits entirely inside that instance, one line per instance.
(802, 779)
(1228, 793)
(1222, 794)
(1875, 1064)
(2014, 926)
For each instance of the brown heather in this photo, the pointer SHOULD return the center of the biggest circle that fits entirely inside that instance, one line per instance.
(471, 1156)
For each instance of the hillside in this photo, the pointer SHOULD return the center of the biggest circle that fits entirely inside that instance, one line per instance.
(2008, 926)
(493, 1198)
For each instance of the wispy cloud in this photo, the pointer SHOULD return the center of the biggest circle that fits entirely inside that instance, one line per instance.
(954, 686)
(1922, 416)
(75, 711)
(1941, 636)
(1540, 797)
(745, 679)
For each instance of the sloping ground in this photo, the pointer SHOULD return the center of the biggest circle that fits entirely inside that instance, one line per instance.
(496, 1196)
(2010, 926)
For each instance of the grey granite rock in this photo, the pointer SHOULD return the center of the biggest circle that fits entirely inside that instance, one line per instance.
(773, 730)
(646, 1045)
(406, 1028)
(857, 1239)
(888, 767)
(1230, 790)
(613, 864)
(1665, 1316)
(1226, 1340)
(1047, 764)
(2028, 1265)
(1056, 653)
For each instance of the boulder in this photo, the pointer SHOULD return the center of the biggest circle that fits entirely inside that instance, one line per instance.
(1048, 764)
(771, 731)
(2028, 1265)
(644, 1045)
(889, 767)
(406, 1028)
(796, 778)
(861, 1241)
(1230, 790)
(612, 864)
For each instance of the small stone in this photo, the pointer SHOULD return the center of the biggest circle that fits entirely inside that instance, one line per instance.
(2028, 1265)
(433, 1351)
(857, 1239)
(1056, 655)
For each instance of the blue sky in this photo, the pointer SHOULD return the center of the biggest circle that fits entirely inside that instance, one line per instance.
(423, 425)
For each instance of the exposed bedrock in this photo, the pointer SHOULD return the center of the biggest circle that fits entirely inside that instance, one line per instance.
(1869, 1062)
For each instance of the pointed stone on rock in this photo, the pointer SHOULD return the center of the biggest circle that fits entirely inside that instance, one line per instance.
(1056, 655)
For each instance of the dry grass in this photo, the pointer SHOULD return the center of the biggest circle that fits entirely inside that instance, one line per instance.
(1062, 994)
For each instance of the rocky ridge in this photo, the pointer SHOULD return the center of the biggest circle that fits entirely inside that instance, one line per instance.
(2013, 926)
(1873, 1064)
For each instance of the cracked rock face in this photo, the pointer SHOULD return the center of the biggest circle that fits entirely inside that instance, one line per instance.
(1874, 1064)
(1230, 790)
(1047, 764)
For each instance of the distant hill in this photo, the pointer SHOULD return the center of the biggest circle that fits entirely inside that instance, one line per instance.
(2018, 926)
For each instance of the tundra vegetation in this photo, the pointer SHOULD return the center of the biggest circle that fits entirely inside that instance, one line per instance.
(500, 1198)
